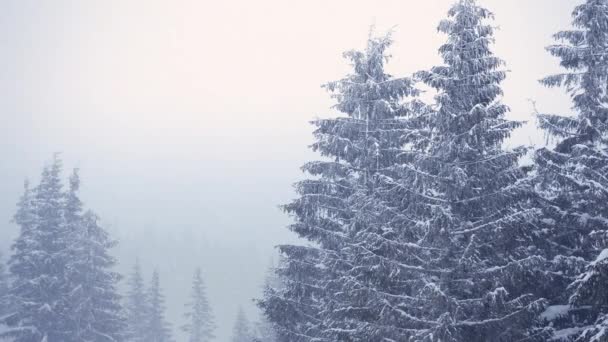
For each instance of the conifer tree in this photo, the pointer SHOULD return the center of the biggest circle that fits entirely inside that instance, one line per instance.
(26, 220)
(157, 330)
(63, 289)
(201, 323)
(336, 209)
(137, 307)
(241, 331)
(99, 308)
(38, 264)
(572, 176)
(472, 269)
(93, 301)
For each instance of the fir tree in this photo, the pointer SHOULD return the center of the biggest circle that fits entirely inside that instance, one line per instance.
(137, 307)
(38, 295)
(241, 331)
(63, 290)
(336, 209)
(94, 304)
(200, 324)
(157, 330)
(96, 299)
(26, 220)
(572, 176)
(471, 269)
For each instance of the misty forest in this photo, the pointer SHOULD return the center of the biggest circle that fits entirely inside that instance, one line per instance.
(416, 217)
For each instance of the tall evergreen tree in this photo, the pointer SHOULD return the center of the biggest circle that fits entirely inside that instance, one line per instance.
(158, 330)
(25, 218)
(201, 323)
(38, 264)
(93, 302)
(336, 209)
(572, 176)
(137, 307)
(474, 271)
(242, 330)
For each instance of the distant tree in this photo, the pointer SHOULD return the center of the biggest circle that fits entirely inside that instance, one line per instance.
(39, 262)
(265, 330)
(241, 331)
(93, 301)
(63, 287)
(201, 325)
(158, 330)
(572, 178)
(137, 307)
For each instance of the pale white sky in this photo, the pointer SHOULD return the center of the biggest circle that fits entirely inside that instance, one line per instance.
(189, 117)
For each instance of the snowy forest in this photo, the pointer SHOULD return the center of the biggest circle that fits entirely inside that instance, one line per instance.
(417, 217)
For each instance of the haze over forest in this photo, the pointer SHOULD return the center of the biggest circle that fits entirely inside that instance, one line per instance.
(190, 120)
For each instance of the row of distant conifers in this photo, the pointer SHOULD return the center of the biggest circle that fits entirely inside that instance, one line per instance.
(60, 283)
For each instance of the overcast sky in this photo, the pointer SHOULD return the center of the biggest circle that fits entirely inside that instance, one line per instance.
(189, 118)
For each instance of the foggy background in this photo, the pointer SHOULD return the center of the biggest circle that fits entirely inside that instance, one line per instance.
(189, 119)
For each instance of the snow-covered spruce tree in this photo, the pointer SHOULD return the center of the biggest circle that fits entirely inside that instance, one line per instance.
(476, 272)
(337, 203)
(72, 215)
(241, 331)
(157, 330)
(201, 325)
(38, 264)
(63, 290)
(137, 307)
(573, 176)
(25, 218)
(93, 303)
